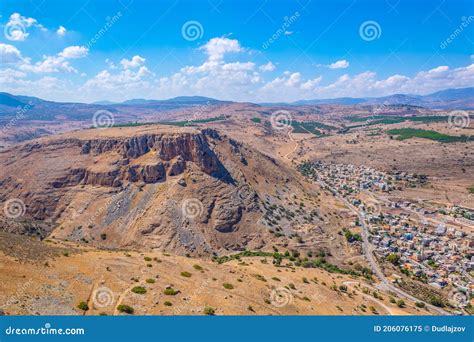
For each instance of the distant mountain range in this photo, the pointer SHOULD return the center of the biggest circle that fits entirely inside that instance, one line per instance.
(462, 98)
(47, 110)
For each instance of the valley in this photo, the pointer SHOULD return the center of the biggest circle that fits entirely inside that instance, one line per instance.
(199, 206)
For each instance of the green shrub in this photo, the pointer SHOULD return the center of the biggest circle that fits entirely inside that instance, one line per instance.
(139, 290)
(197, 267)
(401, 303)
(125, 308)
(276, 278)
(147, 259)
(393, 258)
(436, 301)
(167, 303)
(150, 281)
(209, 311)
(83, 306)
(170, 292)
(259, 277)
(343, 288)
(228, 286)
(420, 304)
(186, 274)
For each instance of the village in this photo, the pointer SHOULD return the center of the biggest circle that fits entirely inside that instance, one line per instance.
(427, 243)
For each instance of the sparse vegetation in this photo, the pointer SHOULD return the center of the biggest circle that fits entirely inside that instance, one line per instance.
(170, 292)
(209, 311)
(139, 290)
(126, 309)
(420, 304)
(394, 258)
(83, 306)
(228, 286)
(407, 133)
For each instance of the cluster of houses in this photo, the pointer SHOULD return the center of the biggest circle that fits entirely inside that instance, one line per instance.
(348, 179)
(438, 252)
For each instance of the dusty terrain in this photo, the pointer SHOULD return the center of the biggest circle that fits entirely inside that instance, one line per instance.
(105, 210)
(54, 277)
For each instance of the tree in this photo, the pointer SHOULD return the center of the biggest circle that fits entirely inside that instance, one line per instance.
(394, 258)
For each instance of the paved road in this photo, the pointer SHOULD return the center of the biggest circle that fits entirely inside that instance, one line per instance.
(374, 265)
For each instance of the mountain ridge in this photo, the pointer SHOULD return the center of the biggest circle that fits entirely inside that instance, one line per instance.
(455, 98)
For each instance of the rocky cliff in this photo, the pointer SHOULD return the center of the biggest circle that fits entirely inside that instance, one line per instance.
(188, 191)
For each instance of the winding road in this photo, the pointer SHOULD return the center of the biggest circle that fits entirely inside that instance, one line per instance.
(385, 284)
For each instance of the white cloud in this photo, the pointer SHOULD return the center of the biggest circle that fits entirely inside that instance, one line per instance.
(215, 77)
(288, 33)
(240, 79)
(9, 54)
(216, 48)
(46, 87)
(74, 52)
(125, 84)
(57, 63)
(9, 75)
(135, 62)
(267, 67)
(342, 64)
(61, 31)
(17, 25)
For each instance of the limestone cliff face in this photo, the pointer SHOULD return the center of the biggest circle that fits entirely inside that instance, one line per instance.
(186, 191)
(171, 152)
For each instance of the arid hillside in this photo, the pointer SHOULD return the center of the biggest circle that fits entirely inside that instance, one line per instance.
(172, 189)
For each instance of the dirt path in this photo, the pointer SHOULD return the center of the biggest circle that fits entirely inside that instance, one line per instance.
(387, 308)
(292, 140)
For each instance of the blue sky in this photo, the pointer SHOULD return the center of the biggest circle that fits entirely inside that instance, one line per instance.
(238, 50)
